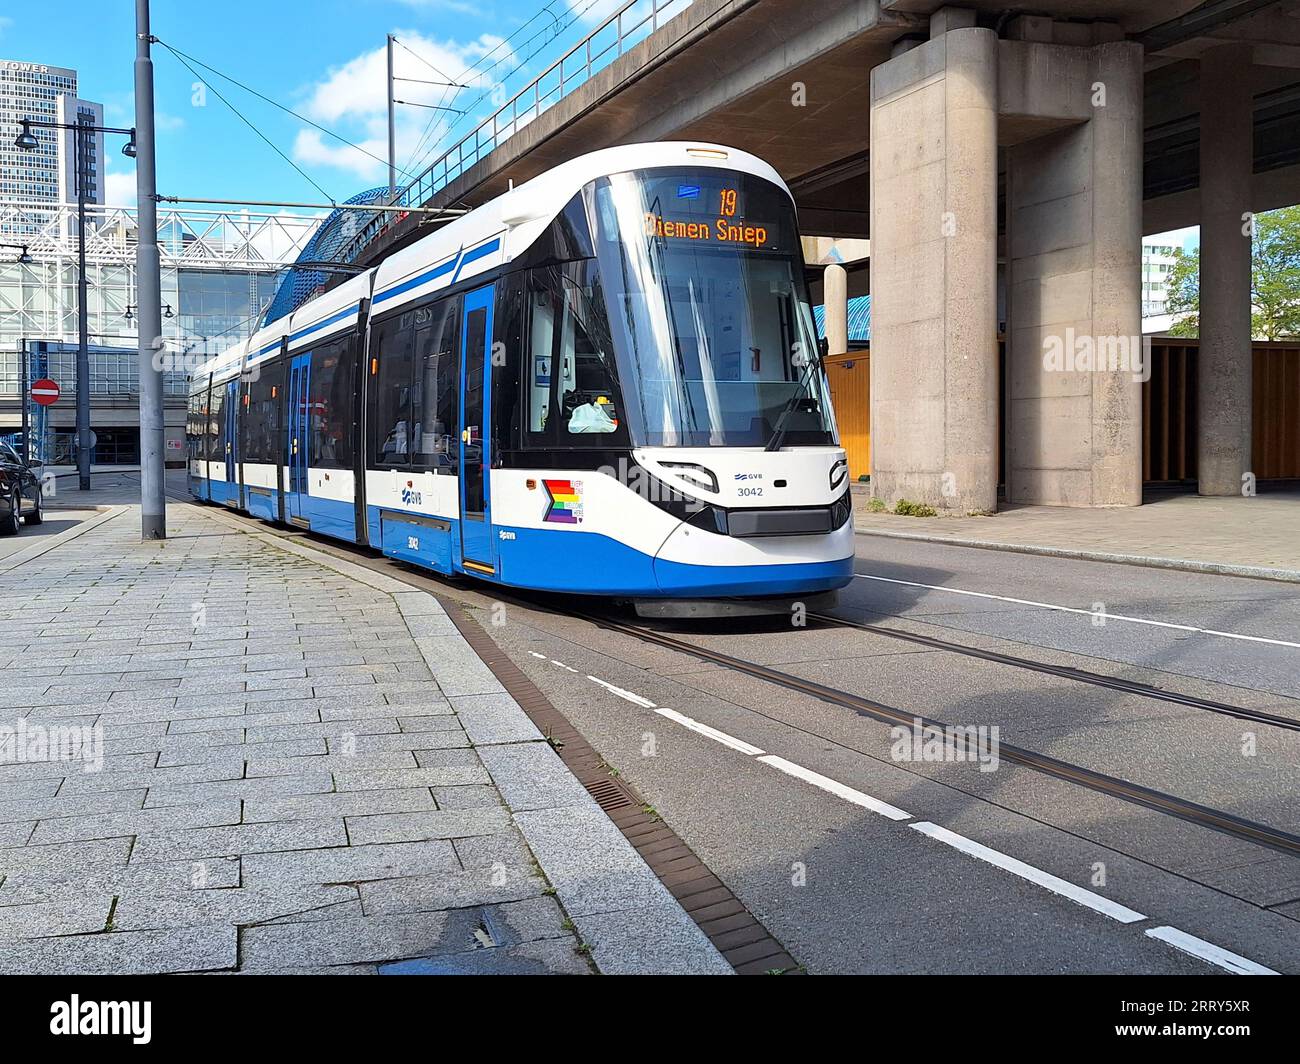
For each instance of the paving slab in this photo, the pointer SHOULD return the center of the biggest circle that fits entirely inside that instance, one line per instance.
(444, 824)
(236, 906)
(186, 949)
(71, 916)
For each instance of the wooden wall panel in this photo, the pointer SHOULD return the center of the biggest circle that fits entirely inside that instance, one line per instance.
(1169, 401)
(850, 379)
(1275, 428)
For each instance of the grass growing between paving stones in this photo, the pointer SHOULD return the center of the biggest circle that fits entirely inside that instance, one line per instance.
(907, 508)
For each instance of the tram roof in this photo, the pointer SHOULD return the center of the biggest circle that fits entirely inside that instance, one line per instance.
(517, 217)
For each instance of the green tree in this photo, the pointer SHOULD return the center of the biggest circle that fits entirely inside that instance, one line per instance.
(1184, 293)
(1275, 275)
(1275, 280)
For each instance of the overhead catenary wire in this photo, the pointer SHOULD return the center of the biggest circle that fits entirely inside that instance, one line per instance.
(577, 13)
(554, 31)
(248, 122)
(441, 73)
(183, 56)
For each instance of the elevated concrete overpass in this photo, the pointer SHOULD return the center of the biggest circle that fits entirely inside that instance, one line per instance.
(1018, 160)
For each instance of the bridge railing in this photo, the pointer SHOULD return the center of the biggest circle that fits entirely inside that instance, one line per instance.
(632, 23)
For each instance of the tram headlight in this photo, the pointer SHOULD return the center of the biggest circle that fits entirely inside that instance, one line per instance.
(839, 472)
(694, 474)
(841, 510)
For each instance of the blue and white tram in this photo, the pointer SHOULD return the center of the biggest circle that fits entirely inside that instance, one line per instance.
(605, 382)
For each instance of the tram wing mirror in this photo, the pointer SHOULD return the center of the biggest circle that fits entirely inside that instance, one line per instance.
(823, 348)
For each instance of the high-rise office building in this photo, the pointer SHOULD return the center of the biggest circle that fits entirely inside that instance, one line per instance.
(47, 173)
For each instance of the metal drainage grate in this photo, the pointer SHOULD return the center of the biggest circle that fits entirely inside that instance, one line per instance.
(608, 794)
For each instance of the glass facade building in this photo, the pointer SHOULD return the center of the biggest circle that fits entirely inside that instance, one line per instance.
(46, 173)
(219, 273)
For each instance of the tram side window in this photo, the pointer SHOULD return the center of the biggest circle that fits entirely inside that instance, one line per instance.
(390, 431)
(436, 377)
(217, 424)
(194, 427)
(573, 396)
(588, 396)
(261, 415)
(541, 344)
(508, 324)
(331, 392)
(250, 444)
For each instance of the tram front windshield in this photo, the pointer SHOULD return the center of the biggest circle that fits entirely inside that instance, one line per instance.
(708, 311)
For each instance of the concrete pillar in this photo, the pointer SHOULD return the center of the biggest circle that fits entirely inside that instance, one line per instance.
(934, 273)
(951, 18)
(835, 297)
(1075, 358)
(1224, 363)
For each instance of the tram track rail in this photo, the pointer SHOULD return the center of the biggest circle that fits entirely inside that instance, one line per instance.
(1066, 672)
(1183, 809)
(1099, 782)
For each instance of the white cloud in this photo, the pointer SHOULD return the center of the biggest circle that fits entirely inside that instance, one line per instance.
(119, 189)
(165, 123)
(358, 88)
(352, 100)
(312, 149)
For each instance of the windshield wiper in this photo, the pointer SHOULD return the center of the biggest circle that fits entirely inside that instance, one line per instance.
(778, 433)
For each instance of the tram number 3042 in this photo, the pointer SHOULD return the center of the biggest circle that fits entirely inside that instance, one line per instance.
(412, 542)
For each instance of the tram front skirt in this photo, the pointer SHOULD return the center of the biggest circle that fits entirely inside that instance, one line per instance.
(782, 605)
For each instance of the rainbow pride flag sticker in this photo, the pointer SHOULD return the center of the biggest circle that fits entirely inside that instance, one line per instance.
(566, 502)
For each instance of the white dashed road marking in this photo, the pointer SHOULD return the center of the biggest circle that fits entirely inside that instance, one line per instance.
(626, 695)
(835, 787)
(1208, 951)
(1035, 875)
(712, 733)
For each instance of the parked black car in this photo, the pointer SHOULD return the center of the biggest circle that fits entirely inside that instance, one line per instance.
(20, 492)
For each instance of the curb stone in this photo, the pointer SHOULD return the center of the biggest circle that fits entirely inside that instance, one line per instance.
(1253, 572)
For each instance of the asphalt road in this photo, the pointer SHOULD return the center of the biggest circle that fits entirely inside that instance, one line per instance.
(803, 842)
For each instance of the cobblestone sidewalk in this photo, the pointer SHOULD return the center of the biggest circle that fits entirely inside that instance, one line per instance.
(228, 754)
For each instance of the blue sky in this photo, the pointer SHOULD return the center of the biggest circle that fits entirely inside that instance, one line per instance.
(323, 58)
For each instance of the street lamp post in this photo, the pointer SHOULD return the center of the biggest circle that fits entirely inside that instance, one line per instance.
(26, 140)
(153, 462)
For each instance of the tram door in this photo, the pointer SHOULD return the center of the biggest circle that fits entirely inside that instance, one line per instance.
(478, 548)
(234, 489)
(205, 428)
(299, 427)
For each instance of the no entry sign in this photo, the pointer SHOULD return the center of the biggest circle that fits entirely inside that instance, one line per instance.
(45, 391)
